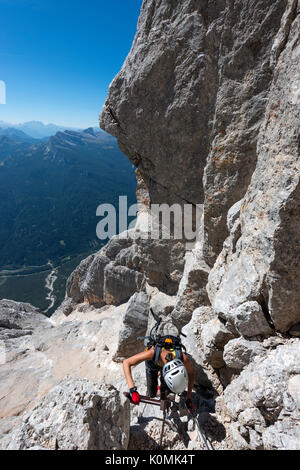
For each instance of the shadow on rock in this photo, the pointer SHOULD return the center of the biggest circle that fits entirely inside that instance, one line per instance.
(140, 438)
(214, 430)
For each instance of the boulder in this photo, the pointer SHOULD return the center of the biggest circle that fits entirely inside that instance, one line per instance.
(75, 415)
(192, 342)
(283, 435)
(265, 398)
(214, 336)
(120, 284)
(239, 352)
(81, 346)
(251, 417)
(133, 325)
(249, 320)
(238, 435)
(162, 304)
(192, 288)
(20, 317)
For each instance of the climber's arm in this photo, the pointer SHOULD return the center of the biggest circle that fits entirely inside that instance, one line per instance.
(134, 361)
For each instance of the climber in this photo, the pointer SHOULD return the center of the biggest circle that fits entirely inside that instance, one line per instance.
(163, 356)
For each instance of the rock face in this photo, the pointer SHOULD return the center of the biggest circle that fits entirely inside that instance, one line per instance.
(191, 95)
(102, 278)
(228, 121)
(19, 318)
(120, 269)
(76, 415)
(263, 262)
(192, 342)
(35, 360)
(134, 325)
(264, 401)
(249, 320)
(192, 288)
(239, 352)
(154, 91)
(214, 336)
(206, 106)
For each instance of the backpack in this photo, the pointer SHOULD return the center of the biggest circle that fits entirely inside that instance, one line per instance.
(161, 340)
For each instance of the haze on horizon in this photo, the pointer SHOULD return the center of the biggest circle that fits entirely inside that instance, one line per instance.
(57, 67)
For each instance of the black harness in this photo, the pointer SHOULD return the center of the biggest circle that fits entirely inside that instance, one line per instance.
(170, 343)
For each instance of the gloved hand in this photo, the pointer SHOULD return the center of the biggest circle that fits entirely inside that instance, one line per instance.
(134, 396)
(190, 406)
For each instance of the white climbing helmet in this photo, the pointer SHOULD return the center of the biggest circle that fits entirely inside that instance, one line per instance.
(175, 376)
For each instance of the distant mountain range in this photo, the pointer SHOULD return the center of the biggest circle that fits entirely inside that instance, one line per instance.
(17, 135)
(37, 129)
(50, 190)
(68, 140)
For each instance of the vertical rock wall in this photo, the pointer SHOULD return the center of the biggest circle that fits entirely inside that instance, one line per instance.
(206, 106)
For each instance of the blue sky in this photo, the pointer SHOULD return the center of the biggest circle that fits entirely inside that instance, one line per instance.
(58, 57)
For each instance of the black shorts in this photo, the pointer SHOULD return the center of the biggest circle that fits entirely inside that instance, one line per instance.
(152, 371)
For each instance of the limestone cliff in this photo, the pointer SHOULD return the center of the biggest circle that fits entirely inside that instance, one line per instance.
(206, 106)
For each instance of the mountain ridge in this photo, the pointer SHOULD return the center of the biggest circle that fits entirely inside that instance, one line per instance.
(37, 129)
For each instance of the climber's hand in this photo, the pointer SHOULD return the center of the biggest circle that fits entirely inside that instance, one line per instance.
(190, 406)
(134, 396)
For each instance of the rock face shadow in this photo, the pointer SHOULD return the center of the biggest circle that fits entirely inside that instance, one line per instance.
(213, 429)
(205, 401)
(140, 439)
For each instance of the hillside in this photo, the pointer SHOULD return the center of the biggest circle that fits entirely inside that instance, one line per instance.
(49, 193)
